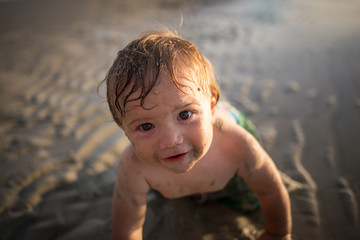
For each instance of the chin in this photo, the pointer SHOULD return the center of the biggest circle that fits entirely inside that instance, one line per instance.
(184, 169)
(178, 171)
(181, 171)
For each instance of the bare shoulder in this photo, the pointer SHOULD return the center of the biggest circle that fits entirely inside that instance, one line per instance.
(130, 172)
(227, 128)
(240, 145)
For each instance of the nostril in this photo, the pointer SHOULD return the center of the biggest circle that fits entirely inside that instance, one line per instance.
(170, 139)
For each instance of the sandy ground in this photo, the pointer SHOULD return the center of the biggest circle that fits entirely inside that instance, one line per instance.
(292, 66)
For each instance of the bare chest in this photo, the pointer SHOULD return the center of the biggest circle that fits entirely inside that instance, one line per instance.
(210, 174)
(193, 182)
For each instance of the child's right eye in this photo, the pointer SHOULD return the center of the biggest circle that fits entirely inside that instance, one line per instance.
(146, 127)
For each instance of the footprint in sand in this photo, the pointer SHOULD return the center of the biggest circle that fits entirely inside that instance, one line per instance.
(292, 87)
(305, 202)
(243, 98)
(348, 200)
(332, 100)
(267, 90)
(312, 93)
(268, 136)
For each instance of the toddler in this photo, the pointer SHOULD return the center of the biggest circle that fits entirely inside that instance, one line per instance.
(161, 91)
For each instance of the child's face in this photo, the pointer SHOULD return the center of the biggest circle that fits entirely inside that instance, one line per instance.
(174, 130)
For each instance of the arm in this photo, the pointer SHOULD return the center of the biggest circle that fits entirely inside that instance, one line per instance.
(275, 204)
(262, 176)
(129, 200)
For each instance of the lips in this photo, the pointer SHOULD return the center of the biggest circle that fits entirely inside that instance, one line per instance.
(175, 158)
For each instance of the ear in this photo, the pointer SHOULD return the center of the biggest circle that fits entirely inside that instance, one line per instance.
(212, 105)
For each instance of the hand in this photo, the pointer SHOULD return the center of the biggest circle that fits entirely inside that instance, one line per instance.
(266, 236)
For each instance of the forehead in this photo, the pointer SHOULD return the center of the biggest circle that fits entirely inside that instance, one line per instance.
(165, 92)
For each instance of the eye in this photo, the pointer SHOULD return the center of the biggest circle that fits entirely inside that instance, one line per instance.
(184, 115)
(146, 127)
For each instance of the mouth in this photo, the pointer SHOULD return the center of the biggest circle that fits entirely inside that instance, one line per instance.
(176, 157)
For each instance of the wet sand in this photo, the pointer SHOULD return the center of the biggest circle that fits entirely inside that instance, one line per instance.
(293, 67)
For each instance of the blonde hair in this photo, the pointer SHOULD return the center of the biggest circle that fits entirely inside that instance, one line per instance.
(138, 65)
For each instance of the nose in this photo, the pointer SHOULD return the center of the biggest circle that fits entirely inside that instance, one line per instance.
(169, 138)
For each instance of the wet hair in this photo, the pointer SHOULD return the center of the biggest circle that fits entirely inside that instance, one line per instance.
(137, 67)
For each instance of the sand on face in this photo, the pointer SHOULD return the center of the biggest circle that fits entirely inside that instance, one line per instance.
(292, 67)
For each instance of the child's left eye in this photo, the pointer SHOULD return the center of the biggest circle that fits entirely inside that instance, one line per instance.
(184, 115)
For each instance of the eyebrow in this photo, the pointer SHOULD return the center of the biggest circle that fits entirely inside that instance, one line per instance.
(136, 119)
(177, 106)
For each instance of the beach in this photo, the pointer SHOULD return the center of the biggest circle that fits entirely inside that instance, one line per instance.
(293, 67)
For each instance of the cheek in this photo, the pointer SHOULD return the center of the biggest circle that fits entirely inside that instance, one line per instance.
(144, 153)
(201, 140)
(140, 147)
(202, 133)
(197, 152)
